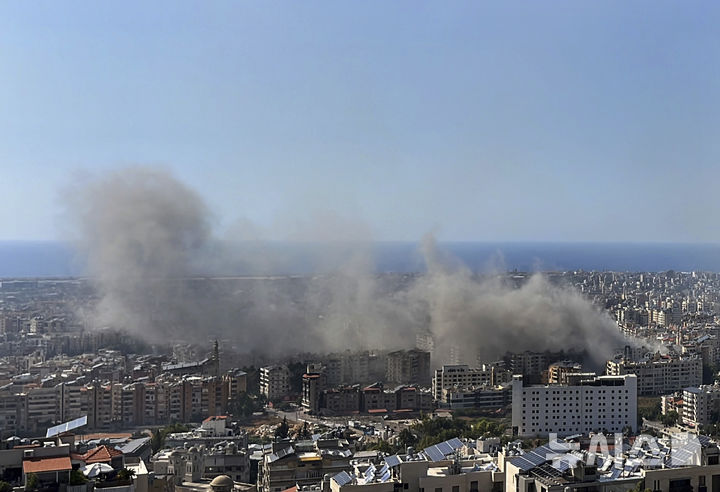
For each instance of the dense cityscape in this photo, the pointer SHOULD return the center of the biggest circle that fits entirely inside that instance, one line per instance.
(329, 246)
(180, 415)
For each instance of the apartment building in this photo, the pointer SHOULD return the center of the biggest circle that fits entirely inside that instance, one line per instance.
(529, 364)
(43, 408)
(116, 405)
(558, 371)
(313, 383)
(449, 377)
(465, 378)
(661, 374)
(603, 403)
(483, 398)
(274, 382)
(409, 367)
(700, 405)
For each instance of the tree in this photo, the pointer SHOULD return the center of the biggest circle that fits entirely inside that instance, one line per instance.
(157, 440)
(383, 446)
(32, 482)
(244, 405)
(640, 487)
(670, 418)
(281, 432)
(407, 439)
(305, 431)
(5, 487)
(126, 474)
(77, 477)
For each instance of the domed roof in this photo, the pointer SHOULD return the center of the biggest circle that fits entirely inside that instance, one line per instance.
(222, 481)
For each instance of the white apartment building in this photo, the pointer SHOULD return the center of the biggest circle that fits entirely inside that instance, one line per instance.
(699, 405)
(274, 382)
(660, 375)
(604, 403)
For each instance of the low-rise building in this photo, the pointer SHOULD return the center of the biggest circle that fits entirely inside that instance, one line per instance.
(301, 463)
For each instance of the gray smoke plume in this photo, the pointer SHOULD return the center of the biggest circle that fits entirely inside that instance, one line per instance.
(139, 231)
(487, 317)
(146, 237)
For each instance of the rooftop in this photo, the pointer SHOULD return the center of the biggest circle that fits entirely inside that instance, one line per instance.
(40, 465)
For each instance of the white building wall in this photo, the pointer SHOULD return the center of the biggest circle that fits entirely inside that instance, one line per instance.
(608, 403)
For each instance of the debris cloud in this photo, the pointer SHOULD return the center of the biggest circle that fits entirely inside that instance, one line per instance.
(148, 243)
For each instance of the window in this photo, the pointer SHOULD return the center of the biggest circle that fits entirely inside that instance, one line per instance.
(438, 489)
(456, 488)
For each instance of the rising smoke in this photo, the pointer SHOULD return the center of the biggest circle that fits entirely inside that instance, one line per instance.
(146, 237)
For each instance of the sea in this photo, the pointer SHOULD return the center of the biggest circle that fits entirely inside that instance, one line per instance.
(32, 259)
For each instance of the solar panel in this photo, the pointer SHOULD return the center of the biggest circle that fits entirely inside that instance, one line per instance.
(392, 461)
(67, 426)
(522, 463)
(370, 472)
(615, 473)
(342, 478)
(440, 451)
(534, 458)
(385, 477)
(455, 443)
(681, 457)
(561, 465)
(546, 450)
(384, 469)
(434, 453)
(445, 448)
(281, 454)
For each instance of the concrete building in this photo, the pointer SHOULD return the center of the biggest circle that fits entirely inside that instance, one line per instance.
(483, 398)
(274, 382)
(460, 377)
(556, 467)
(660, 374)
(302, 463)
(604, 403)
(700, 405)
(558, 371)
(460, 386)
(529, 364)
(409, 367)
(313, 383)
(470, 472)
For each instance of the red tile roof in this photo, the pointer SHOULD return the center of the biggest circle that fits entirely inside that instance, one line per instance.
(215, 417)
(101, 454)
(39, 465)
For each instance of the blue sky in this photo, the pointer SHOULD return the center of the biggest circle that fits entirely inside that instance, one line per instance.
(552, 121)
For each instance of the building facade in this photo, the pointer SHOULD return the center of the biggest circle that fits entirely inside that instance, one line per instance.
(604, 403)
